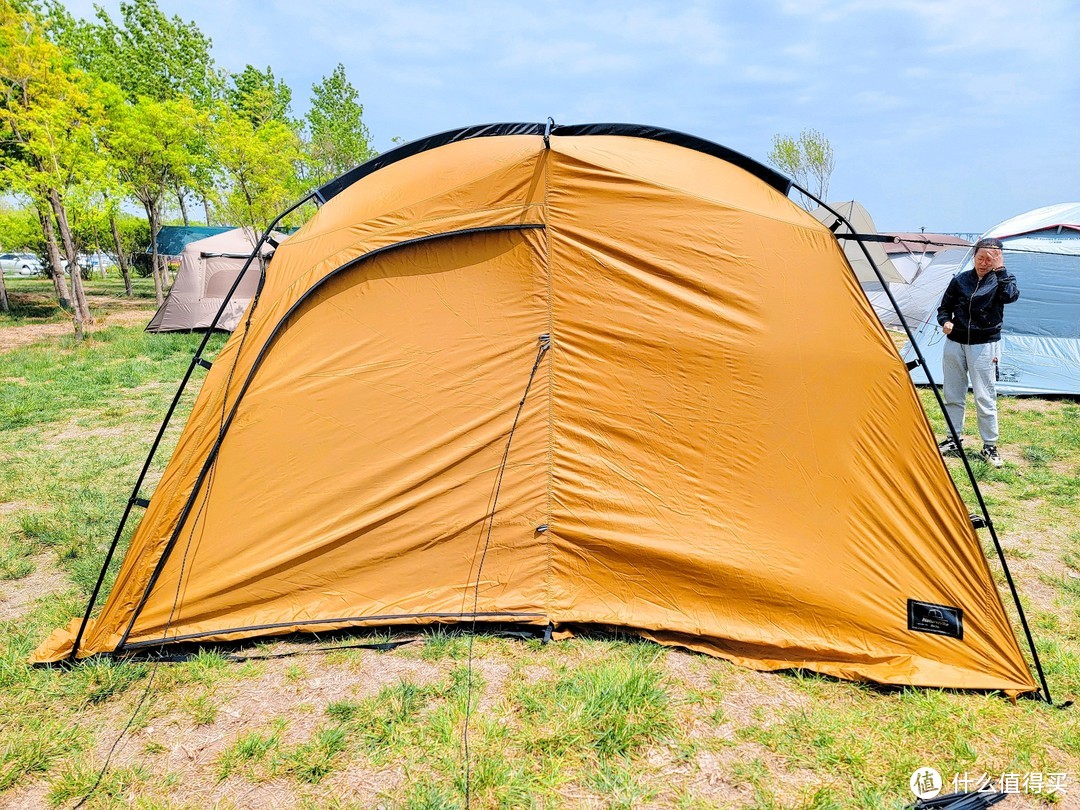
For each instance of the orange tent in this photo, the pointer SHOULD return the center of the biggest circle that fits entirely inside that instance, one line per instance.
(583, 376)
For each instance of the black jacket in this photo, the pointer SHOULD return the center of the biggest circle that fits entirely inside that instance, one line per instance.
(976, 306)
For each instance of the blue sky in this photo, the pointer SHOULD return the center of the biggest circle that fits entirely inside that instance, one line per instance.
(950, 115)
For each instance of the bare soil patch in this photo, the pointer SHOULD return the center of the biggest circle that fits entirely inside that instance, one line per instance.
(17, 594)
(12, 337)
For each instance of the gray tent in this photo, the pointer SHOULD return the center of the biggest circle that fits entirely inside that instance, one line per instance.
(860, 220)
(918, 300)
(208, 268)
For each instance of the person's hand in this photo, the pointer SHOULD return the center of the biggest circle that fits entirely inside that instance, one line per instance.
(988, 260)
(946, 327)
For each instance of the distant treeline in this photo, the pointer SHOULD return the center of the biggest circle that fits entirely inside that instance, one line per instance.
(98, 113)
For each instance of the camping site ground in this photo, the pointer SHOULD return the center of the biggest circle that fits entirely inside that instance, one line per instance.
(598, 721)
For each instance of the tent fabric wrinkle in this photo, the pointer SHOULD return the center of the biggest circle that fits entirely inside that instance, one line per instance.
(583, 383)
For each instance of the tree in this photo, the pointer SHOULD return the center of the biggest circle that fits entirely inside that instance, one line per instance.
(258, 98)
(164, 59)
(149, 54)
(149, 143)
(257, 169)
(50, 116)
(338, 139)
(808, 160)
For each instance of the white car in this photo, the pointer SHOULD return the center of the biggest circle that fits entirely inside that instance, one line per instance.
(20, 264)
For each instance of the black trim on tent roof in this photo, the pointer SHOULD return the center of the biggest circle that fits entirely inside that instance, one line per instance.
(759, 170)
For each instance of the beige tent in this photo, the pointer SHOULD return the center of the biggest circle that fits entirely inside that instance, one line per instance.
(208, 268)
(855, 219)
(583, 377)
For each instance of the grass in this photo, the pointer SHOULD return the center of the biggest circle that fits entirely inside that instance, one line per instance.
(590, 721)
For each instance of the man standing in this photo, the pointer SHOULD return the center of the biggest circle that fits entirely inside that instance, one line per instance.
(971, 312)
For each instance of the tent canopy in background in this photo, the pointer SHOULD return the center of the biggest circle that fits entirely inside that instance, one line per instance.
(911, 253)
(172, 239)
(567, 376)
(861, 223)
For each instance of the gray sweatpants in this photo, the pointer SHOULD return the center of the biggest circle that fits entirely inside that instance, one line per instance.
(958, 364)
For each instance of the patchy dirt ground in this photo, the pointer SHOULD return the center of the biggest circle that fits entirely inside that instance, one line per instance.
(11, 337)
(17, 594)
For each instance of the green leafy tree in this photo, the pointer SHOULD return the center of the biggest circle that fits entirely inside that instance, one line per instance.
(149, 144)
(258, 97)
(149, 55)
(808, 160)
(50, 117)
(257, 169)
(20, 231)
(338, 138)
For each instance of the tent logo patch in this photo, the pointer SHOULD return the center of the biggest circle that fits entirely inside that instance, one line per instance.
(941, 620)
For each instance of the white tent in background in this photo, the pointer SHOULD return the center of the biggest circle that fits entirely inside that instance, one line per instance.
(862, 223)
(912, 253)
(1040, 340)
(918, 300)
(208, 268)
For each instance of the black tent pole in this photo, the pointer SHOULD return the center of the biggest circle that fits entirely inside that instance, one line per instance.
(954, 433)
(196, 360)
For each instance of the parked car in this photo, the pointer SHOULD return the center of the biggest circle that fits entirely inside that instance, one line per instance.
(20, 264)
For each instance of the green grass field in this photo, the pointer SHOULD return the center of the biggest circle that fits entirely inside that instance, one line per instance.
(596, 721)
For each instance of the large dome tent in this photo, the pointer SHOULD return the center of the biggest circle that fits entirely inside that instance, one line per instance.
(562, 377)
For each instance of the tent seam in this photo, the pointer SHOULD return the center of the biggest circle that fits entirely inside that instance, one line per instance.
(547, 535)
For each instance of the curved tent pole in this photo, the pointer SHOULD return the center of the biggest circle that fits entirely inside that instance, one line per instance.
(955, 434)
(228, 414)
(196, 360)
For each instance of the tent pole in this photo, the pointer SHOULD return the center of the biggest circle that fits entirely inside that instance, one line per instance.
(196, 360)
(955, 434)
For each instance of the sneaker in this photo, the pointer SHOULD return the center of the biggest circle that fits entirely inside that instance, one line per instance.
(948, 447)
(990, 456)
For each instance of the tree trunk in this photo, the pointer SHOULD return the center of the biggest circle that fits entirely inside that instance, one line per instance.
(56, 267)
(206, 209)
(3, 295)
(155, 266)
(183, 205)
(166, 277)
(120, 257)
(81, 310)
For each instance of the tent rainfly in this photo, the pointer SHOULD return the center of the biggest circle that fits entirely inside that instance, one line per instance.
(208, 268)
(1040, 338)
(566, 376)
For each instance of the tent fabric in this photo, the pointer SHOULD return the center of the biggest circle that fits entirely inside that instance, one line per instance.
(1040, 338)
(858, 221)
(912, 253)
(172, 239)
(208, 268)
(918, 300)
(683, 465)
